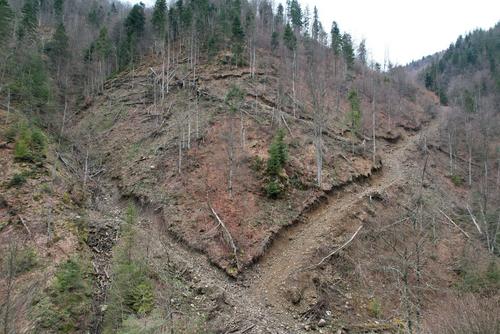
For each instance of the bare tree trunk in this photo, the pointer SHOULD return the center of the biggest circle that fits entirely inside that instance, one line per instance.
(231, 157)
(450, 148)
(179, 162)
(373, 122)
(9, 286)
(293, 82)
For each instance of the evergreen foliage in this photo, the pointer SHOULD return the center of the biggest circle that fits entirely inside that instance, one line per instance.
(131, 291)
(362, 53)
(336, 39)
(159, 18)
(6, 17)
(278, 156)
(67, 303)
(29, 20)
(354, 116)
(295, 14)
(348, 50)
(59, 9)
(238, 39)
(477, 52)
(57, 48)
(289, 38)
(31, 85)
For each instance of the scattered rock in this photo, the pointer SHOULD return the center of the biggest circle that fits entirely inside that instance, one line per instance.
(321, 323)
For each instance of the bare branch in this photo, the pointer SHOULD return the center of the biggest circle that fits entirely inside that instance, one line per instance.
(455, 224)
(338, 249)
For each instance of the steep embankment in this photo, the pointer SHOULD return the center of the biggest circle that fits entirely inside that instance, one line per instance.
(259, 301)
(176, 157)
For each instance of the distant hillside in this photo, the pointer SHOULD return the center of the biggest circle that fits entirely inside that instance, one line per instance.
(469, 66)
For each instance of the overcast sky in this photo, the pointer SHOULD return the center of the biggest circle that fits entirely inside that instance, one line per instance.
(405, 30)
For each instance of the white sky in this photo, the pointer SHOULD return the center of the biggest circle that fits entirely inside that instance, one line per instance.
(405, 30)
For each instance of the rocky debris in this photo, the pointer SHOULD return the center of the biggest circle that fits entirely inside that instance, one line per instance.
(101, 237)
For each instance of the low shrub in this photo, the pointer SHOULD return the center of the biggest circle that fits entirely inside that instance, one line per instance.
(25, 260)
(274, 189)
(17, 180)
(30, 145)
(457, 180)
(374, 308)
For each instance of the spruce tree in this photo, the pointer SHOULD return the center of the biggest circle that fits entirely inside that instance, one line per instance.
(289, 38)
(29, 20)
(135, 21)
(57, 48)
(355, 112)
(280, 13)
(295, 14)
(59, 9)
(238, 38)
(103, 44)
(362, 52)
(6, 16)
(316, 26)
(348, 50)
(336, 39)
(159, 18)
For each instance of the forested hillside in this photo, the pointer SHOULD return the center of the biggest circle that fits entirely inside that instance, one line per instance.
(467, 77)
(234, 166)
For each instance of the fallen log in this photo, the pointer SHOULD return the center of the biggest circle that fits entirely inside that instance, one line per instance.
(338, 249)
(227, 235)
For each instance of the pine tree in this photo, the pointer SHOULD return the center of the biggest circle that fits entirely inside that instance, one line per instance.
(6, 16)
(159, 18)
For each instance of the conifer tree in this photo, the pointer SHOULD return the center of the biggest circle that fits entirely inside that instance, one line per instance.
(289, 38)
(6, 16)
(280, 13)
(59, 9)
(336, 39)
(295, 14)
(238, 37)
(362, 52)
(355, 112)
(57, 49)
(29, 19)
(135, 21)
(159, 18)
(316, 25)
(348, 50)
